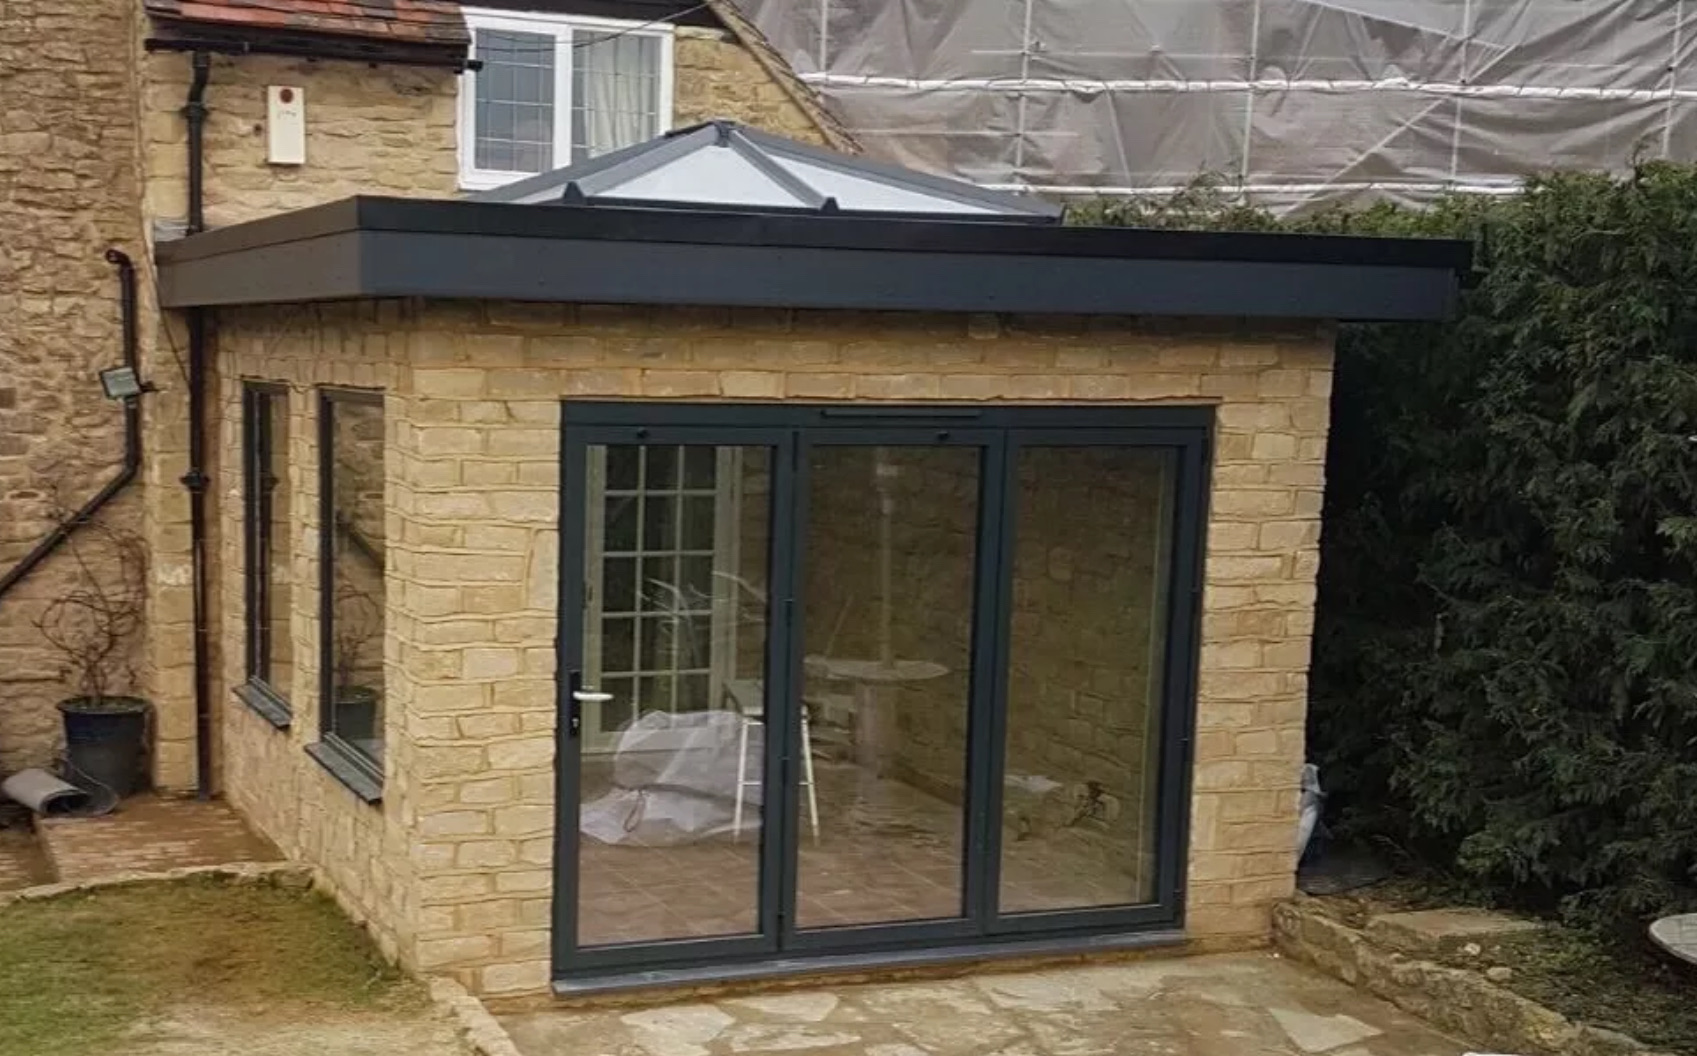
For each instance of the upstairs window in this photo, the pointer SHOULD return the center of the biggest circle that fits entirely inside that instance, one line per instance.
(555, 90)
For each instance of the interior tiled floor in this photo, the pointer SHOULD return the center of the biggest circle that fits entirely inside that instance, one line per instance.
(884, 852)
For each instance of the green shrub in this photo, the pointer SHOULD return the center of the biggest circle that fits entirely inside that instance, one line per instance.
(1505, 674)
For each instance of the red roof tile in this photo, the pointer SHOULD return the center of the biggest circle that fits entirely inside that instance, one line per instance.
(402, 21)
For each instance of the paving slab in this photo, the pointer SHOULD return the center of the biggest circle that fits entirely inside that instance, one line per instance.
(21, 861)
(1427, 932)
(149, 834)
(1217, 1005)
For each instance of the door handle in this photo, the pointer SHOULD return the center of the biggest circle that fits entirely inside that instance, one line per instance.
(579, 697)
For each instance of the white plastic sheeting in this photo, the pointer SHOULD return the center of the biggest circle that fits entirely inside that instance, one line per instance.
(675, 780)
(1290, 101)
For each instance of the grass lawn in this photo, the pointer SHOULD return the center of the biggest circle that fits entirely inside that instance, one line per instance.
(79, 973)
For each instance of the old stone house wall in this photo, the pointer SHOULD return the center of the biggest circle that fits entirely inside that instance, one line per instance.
(715, 76)
(69, 189)
(473, 491)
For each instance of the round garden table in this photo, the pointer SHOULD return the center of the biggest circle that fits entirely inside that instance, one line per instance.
(866, 676)
(1677, 935)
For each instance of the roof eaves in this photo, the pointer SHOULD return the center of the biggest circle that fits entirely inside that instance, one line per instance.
(433, 23)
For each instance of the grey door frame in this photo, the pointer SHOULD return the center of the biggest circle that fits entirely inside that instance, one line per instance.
(789, 431)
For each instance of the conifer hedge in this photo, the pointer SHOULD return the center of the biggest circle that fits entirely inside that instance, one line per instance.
(1505, 671)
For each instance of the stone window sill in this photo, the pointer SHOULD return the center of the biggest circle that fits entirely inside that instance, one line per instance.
(349, 767)
(265, 702)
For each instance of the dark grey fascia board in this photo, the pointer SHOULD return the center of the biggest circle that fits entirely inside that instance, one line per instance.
(810, 230)
(322, 267)
(388, 263)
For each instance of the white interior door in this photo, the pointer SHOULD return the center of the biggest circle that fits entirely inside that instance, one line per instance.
(662, 530)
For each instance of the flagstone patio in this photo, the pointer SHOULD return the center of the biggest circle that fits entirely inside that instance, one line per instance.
(1218, 1005)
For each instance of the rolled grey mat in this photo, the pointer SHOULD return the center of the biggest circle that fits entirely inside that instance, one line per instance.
(43, 793)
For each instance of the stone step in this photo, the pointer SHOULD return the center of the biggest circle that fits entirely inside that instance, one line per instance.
(1430, 933)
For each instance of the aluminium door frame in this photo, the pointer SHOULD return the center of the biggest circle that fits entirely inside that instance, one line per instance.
(787, 431)
(577, 438)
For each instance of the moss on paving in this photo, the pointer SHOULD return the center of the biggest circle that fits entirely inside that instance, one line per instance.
(77, 972)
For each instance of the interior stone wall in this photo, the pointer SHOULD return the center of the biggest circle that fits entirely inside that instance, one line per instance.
(933, 495)
(1090, 535)
(1084, 686)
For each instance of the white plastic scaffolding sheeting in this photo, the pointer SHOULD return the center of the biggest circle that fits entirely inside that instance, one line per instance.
(1291, 101)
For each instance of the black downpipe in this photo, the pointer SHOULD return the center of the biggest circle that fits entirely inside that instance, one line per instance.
(196, 480)
(132, 437)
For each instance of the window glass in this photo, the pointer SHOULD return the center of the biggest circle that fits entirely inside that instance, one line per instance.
(615, 92)
(354, 552)
(1086, 671)
(265, 508)
(515, 101)
(535, 68)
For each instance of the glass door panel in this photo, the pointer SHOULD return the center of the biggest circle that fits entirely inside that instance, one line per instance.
(889, 553)
(673, 705)
(1085, 676)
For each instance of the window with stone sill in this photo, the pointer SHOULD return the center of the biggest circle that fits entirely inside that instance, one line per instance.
(554, 90)
(267, 577)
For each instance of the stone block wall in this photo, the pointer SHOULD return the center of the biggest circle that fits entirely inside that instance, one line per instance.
(715, 76)
(69, 189)
(359, 851)
(472, 598)
(370, 129)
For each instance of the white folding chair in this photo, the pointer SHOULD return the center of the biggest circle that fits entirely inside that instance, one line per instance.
(748, 699)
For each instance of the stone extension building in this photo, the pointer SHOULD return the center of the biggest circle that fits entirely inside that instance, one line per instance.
(635, 557)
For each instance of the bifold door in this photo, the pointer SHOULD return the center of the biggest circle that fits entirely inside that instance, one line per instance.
(870, 680)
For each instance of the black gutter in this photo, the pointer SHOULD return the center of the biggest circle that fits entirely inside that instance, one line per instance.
(432, 56)
(196, 480)
(132, 437)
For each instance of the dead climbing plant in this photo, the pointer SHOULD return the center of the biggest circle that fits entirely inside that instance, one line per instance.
(91, 624)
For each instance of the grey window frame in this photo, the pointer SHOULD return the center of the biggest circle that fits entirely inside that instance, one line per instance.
(355, 768)
(259, 639)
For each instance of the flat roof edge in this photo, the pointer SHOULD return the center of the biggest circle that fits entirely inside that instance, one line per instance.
(363, 263)
(671, 225)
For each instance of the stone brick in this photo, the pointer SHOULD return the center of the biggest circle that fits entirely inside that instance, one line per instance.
(510, 978)
(521, 754)
(749, 384)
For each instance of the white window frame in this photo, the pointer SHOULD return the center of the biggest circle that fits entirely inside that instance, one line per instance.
(561, 28)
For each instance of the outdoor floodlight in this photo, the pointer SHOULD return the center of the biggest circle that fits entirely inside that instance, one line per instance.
(121, 383)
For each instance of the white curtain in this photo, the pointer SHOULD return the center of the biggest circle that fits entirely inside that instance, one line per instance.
(617, 88)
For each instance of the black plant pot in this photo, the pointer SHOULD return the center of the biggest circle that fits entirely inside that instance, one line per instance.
(105, 743)
(356, 714)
